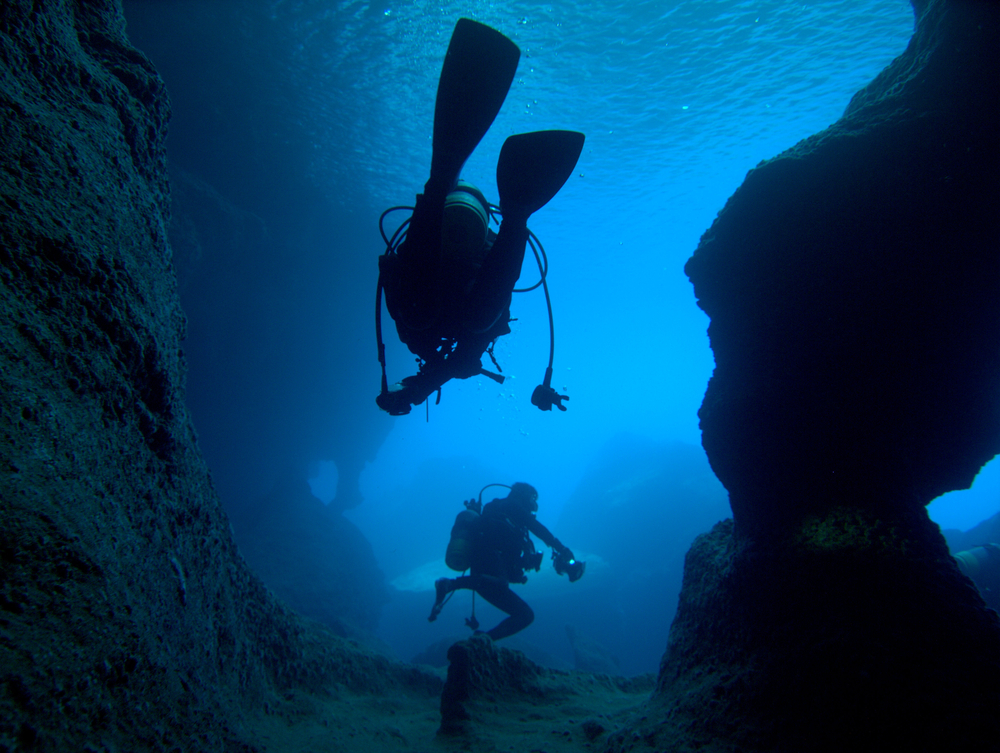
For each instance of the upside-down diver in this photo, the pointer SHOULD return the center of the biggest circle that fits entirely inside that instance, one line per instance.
(448, 277)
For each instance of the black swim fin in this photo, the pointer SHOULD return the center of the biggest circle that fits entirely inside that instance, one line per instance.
(476, 74)
(533, 167)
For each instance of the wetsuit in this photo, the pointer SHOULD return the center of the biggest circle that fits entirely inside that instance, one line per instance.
(496, 561)
(447, 311)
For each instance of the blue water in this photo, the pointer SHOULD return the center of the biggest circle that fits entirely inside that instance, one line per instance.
(678, 100)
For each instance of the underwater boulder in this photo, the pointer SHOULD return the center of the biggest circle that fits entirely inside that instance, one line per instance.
(490, 688)
(479, 671)
(436, 654)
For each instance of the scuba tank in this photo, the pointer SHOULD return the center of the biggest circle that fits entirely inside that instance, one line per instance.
(466, 529)
(458, 555)
(465, 226)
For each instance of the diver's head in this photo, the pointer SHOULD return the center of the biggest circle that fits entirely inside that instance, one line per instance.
(465, 225)
(524, 495)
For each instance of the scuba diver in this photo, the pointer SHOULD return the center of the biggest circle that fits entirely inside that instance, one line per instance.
(447, 276)
(492, 542)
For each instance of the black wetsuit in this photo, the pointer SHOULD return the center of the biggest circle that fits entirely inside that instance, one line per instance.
(447, 312)
(496, 561)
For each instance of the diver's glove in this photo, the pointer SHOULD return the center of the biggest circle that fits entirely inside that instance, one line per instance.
(545, 397)
(394, 401)
(413, 390)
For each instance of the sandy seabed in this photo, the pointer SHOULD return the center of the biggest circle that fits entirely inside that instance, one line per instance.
(576, 713)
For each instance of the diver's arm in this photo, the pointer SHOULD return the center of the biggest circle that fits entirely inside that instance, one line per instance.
(413, 390)
(546, 536)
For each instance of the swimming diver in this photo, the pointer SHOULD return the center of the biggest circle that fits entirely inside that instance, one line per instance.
(492, 542)
(448, 284)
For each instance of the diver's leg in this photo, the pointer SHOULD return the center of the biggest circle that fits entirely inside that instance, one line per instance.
(491, 292)
(423, 237)
(498, 593)
(531, 170)
(463, 581)
(412, 292)
(442, 587)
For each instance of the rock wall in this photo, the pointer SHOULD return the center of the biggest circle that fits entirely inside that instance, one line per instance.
(857, 633)
(128, 621)
(852, 284)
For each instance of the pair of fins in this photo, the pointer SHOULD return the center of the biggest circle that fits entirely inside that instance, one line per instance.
(476, 75)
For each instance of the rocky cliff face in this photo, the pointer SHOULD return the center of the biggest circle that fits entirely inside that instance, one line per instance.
(127, 619)
(852, 284)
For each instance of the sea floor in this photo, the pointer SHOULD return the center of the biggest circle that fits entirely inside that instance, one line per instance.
(578, 716)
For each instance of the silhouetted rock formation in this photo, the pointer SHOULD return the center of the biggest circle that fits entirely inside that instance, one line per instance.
(314, 559)
(853, 288)
(852, 284)
(129, 621)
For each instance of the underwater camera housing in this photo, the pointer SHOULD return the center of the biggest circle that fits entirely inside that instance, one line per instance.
(565, 564)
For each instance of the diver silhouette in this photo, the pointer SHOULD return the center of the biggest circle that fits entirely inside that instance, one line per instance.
(493, 543)
(446, 275)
